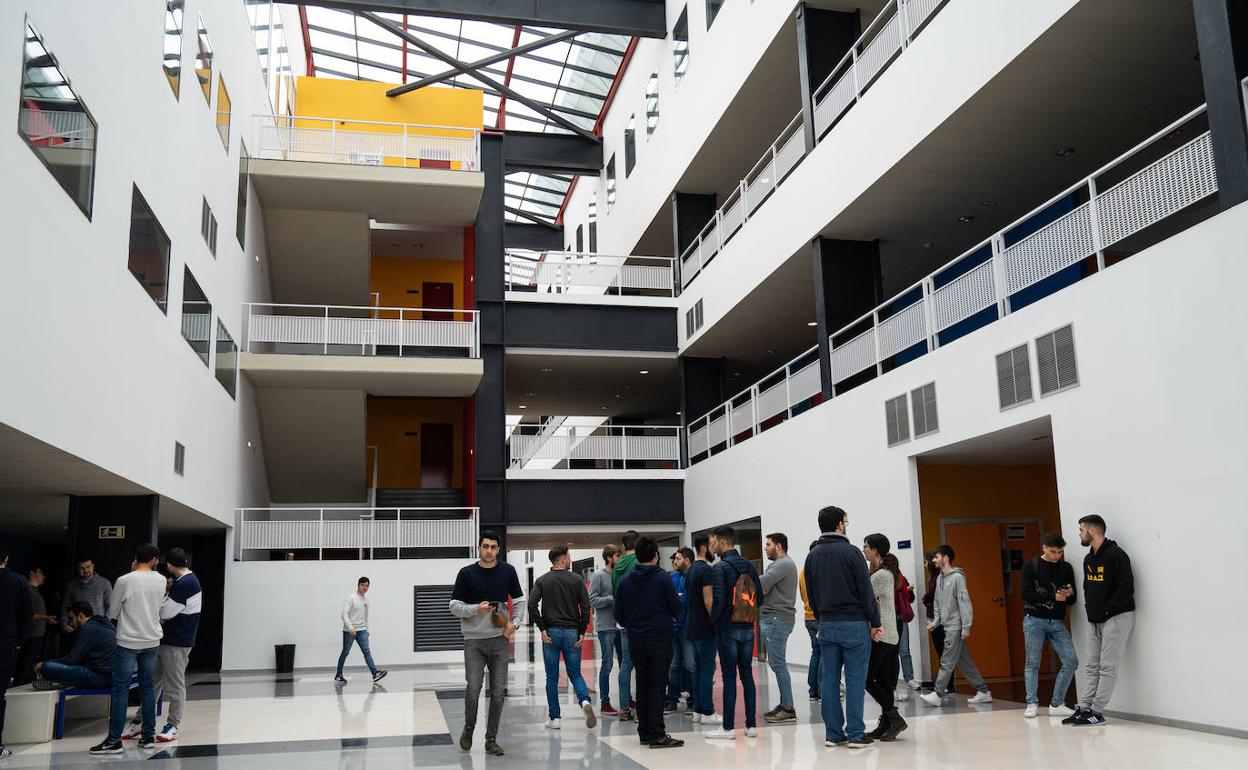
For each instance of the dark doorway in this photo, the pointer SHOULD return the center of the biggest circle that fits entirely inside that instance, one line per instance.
(438, 295)
(437, 455)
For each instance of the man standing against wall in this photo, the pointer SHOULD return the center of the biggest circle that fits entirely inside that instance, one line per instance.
(355, 631)
(646, 605)
(954, 613)
(479, 599)
(680, 678)
(560, 608)
(602, 599)
(700, 633)
(1048, 586)
(779, 610)
(15, 612)
(1109, 599)
(88, 587)
(623, 566)
(839, 589)
(732, 602)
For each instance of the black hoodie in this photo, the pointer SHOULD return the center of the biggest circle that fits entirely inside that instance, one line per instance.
(1108, 586)
(646, 603)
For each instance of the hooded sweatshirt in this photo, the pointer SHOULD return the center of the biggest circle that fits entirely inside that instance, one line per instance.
(1108, 584)
(646, 603)
(952, 604)
(602, 599)
(622, 568)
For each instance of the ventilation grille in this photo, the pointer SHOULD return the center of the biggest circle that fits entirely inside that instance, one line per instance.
(1055, 358)
(436, 628)
(693, 319)
(179, 458)
(923, 404)
(1014, 377)
(897, 418)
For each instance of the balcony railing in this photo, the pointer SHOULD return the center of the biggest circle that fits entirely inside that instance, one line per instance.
(374, 533)
(363, 331)
(565, 272)
(367, 143)
(1012, 268)
(884, 39)
(622, 447)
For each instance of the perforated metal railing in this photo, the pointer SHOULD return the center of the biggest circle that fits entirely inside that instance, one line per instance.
(631, 446)
(881, 43)
(1160, 177)
(367, 143)
(567, 272)
(365, 530)
(358, 330)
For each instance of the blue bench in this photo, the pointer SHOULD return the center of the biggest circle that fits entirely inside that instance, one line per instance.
(63, 695)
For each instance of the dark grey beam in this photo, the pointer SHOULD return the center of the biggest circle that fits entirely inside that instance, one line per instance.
(823, 39)
(642, 18)
(517, 235)
(532, 151)
(532, 218)
(479, 63)
(848, 283)
(1222, 35)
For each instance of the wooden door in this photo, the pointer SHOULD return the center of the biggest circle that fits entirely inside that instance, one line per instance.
(978, 553)
(437, 455)
(438, 295)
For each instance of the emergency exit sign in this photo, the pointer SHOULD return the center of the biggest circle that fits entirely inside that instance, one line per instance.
(112, 533)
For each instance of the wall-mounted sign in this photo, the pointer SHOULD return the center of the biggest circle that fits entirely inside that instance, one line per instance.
(112, 533)
(903, 544)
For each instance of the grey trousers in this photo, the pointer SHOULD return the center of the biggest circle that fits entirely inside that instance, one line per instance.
(1107, 642)
(171, 677)
(957, 654)
(478, 655)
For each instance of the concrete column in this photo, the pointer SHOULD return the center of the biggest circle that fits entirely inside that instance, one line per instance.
(848, 284)
(823, 38)
(108, 529)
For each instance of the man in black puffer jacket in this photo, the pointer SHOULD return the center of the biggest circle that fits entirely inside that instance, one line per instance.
(646, 605)
(16, 611)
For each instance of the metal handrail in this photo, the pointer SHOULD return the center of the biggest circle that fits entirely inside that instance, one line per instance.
(602, 440)
(291, 141)
(661, 276)
(366, 536)
(446, 333)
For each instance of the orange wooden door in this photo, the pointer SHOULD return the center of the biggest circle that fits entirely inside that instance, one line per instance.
(978, 553)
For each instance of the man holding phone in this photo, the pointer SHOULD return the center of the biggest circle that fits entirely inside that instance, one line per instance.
(1048, 588)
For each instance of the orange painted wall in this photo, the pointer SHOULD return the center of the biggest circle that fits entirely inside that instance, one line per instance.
(398, 454)
(392, 277)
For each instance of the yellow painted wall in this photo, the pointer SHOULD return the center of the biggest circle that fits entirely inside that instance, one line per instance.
(393, 276)
(986, 492)
(398, 454)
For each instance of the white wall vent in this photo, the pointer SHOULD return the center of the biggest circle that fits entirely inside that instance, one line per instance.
(1014, 377)
(1055, 360)
(923, 405)
(897, 420)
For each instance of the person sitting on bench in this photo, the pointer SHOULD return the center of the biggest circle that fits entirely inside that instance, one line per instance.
(89, 664)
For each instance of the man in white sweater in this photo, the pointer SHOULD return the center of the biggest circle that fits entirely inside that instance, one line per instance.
(135, 607)
(355, 631)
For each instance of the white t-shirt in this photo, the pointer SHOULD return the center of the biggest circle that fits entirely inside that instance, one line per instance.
(135, 606)
(355, 613)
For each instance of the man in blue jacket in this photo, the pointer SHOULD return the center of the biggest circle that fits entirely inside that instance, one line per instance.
(646, 605)
(839, 589)
(89, 664)
(680, 679)
(733, 612)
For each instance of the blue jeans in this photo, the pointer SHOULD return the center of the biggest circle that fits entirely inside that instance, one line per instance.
(903, 649)
(124, 662)
(77, 677)
(625, 680)
(680, 675)
(703, 675)
(608, 648)
(736, 657)
(562, 642)
(776, 633)
(1035, 631)
(843, 643)
(812, 670)
(360, 638)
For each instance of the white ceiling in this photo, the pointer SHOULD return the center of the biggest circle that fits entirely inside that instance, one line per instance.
(413, 242)
(582, 383)
(1029, 443)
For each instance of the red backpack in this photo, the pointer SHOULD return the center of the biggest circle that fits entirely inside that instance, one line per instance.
(903, 598)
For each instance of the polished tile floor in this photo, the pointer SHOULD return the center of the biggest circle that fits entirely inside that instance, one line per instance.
(306, 721)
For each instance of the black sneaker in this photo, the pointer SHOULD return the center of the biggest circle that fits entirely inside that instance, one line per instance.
(1088, 719)
(860, 743)
(1079, 712)
(780, 714)
(340, 679)
(107, 747)
(895, 726)
(881, 728)
(667, 742)
(147, 743)
(379, 676)
(626, 715)
(465, 738)
(493, 749)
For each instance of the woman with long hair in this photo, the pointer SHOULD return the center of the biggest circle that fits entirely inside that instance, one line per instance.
(883, 667)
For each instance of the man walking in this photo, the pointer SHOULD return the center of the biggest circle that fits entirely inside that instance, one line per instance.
(700, 633)
(779, 610)
(355, 631)
(839, 589)
(602, 599)
(680, 679)
(732, 602)
(89, 663)
(560, 608)
(480, 599)
(953, 612)
(647, 606)
(623, 566)
(180, 614)
(15, 612)
(1048, 587)
(135, 606)
(88, 587)
(36, 629)
(1109, 599)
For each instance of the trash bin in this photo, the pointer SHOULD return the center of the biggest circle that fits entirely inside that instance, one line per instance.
(285, 658)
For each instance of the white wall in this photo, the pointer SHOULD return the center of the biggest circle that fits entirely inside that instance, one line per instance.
(1154, 439)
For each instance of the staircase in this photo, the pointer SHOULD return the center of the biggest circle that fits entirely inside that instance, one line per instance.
(421, 498)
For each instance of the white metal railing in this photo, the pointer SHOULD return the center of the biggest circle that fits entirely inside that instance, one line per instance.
(360, 330)
(884, 39)
(987, 276)
(363, 529)
(70, 129)
(367, 142)
(629, 445)
(566, 272)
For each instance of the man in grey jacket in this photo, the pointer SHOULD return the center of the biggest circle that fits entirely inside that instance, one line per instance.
(954, 613)
(602, 599)
(480, 601)
(90, 588)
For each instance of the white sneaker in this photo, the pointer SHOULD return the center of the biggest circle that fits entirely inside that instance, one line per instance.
(931, 699)
(1032, 711)
(696, 718)
(552, 724)
(712, 719)
(751, 732)
(983, 696)
(720, 735)
(591, 719)
(913, 684)
(133, 728)
(1060, 711)
(901, 695)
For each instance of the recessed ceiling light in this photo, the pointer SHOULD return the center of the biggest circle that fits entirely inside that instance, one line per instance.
(1065, 152)
(678, 413)
(812, 323)
(604, 409)
(966, 219)
(523, 406)
(249, 445)
(644, 371)
(546, 369)
(736, 374)
(530, 395)
(771, 352)
(257, 257)
(765, 180)
(927, 244)
(617, 395)
(988, 204)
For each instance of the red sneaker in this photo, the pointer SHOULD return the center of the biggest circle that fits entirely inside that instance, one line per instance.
(632, 705)
(608, 710)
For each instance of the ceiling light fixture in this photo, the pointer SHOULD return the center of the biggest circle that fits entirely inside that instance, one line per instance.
(523, 406)
(966, 219)
(546, 369)
(644, 371)
(988, 204)
(812, 323)
(770, 352)
(1065, 152)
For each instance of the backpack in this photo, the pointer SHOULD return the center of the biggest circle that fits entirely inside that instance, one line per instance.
(903, 598)
(744, 599)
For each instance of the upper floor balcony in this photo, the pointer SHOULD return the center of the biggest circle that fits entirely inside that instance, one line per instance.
(560, 447)
(588, 278)
(295, 533)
